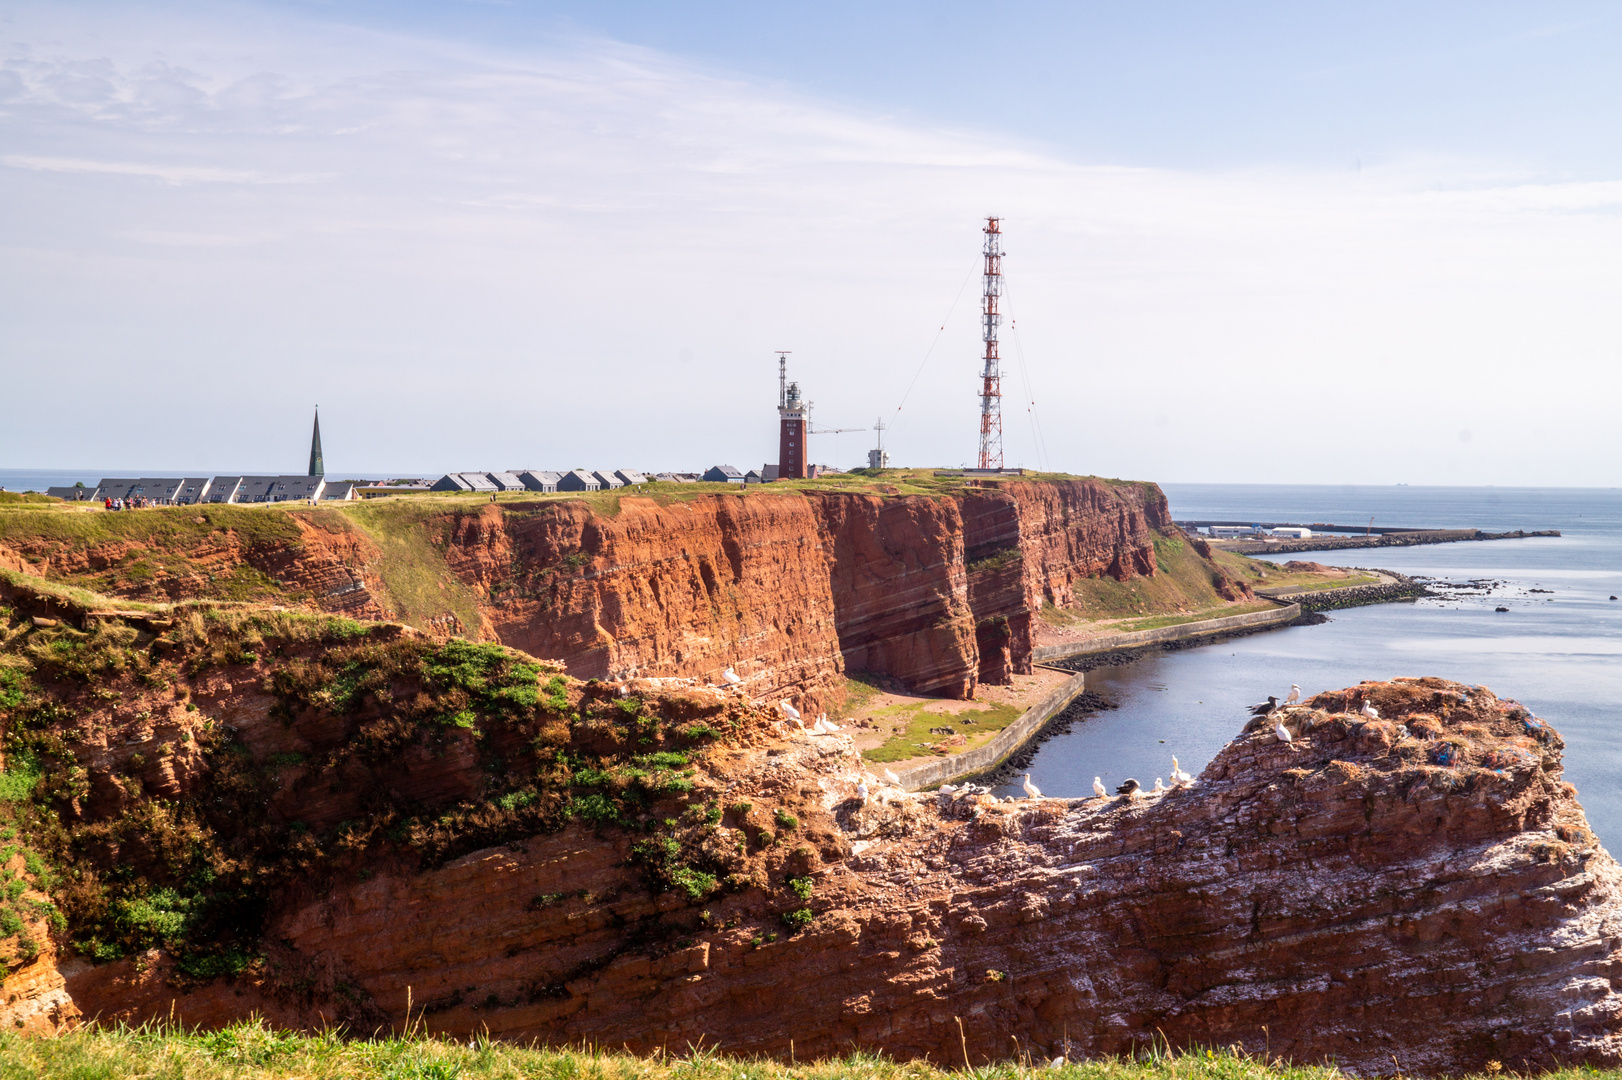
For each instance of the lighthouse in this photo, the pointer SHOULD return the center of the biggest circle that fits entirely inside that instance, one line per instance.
(792, 429)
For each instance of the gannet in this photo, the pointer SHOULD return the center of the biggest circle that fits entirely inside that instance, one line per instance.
(1370, 711)
(1159, 787)
(891, 778)
(1295, 695)
(1131, 789)
(861, 792)
(1179, 778)
(1031, 790)
(730, 677)
(1098, 787)
(789, 710)
(1266, 708)
(1282, 732)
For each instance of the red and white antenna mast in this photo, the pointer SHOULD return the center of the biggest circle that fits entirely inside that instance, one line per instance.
(991, 388)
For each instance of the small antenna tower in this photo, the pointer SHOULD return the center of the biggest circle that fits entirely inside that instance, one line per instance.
(878, 459)
(782, 378)
(991, 374)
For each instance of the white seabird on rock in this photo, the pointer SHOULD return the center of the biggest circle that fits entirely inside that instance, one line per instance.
(1159, 787)
(788, 710)
(1131, 789)
(892, 778)
(730, 677)
(1282, 733)
(1031, 790)
(1179, 778)
(1370, 711)
(1295, 695)
(1098, 787)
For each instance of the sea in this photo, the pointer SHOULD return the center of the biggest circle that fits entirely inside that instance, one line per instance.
(1558, 652)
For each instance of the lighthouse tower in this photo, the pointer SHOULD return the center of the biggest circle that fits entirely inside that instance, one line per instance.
(791, 449)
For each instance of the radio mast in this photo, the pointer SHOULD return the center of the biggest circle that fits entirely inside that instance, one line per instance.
(991, 374)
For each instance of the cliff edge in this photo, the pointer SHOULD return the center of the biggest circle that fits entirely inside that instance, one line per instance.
(790, 587)
(325, 821)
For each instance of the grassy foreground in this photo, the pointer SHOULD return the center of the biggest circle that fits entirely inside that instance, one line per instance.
(250, 1050)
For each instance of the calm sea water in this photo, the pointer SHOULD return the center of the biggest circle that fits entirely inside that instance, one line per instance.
(1559, 653)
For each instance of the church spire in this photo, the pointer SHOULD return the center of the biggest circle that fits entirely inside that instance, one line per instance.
(317, 466)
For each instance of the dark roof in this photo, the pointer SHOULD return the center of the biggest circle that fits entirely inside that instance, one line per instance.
(73, 494)
(723, 473)
(449, 482)
(630, 476)
(578, 480)
(223, 489)
(507, 481)
(339, 489)
(478, 481)
(608, 480)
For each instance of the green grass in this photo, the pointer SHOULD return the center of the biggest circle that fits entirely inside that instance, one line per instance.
(167, 526)
(248, 1050)
(1155, 622)
(1184, 584)
(412, 534)
(23, 498)
(909, 728)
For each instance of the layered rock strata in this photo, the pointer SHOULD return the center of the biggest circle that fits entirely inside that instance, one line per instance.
(791, 589)
(1419, 892)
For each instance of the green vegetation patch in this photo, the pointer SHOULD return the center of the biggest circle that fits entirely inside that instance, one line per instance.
(250, 1049)
(908, 734)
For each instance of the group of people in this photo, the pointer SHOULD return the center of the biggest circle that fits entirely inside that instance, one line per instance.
(134, 502)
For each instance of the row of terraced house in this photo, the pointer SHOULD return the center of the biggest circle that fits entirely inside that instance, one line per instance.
(196, 490)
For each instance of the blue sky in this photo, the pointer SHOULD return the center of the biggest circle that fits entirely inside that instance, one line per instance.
(485, 235)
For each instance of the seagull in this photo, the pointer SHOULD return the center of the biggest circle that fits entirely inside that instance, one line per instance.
(790, 711)
(1370, 711)
(1130, 789)
(1031, 790)
(1283, 733)
(730, 677)
(945, 789)
(861, 792)
(1179, 778)
(1098, 787)
(892, 778)
(1159, 787)
(1266, 708)
(1295, 695)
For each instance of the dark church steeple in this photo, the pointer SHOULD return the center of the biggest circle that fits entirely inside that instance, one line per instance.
(317, 466)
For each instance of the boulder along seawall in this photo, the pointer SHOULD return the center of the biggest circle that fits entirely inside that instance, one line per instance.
(791, 589)
(326, 822)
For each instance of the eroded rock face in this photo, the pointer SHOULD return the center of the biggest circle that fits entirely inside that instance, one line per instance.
(791, 589)
(1418, 891)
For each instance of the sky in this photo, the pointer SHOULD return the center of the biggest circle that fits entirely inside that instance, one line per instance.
(1260, 242)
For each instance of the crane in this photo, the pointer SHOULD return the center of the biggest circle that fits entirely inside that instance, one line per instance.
(812, 429)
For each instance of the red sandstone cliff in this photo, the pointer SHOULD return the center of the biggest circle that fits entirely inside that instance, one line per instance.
(1420, 892)
(790, 588)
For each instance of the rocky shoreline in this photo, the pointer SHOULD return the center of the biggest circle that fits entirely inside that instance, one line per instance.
(1401, 588)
